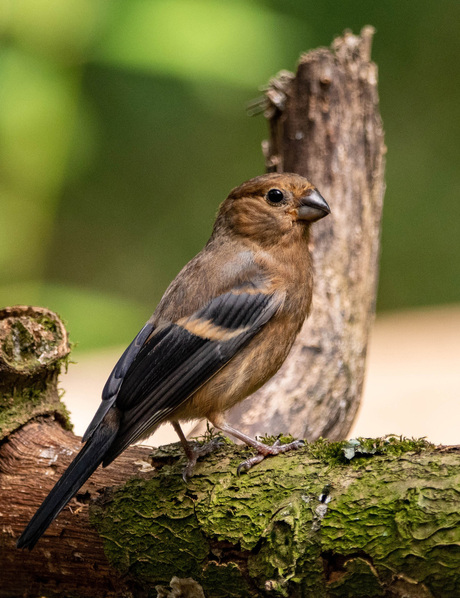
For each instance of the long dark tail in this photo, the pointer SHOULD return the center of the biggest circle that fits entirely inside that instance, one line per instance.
(84, 464)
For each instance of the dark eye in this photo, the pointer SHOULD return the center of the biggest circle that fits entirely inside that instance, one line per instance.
(275, 196)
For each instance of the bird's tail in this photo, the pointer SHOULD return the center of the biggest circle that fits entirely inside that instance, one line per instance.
(84, 464)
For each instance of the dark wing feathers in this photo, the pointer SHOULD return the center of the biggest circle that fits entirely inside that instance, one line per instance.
(169, 369)
(164, 399)
(234, 310)
(115, 380)
(123, 364)
(157, 366)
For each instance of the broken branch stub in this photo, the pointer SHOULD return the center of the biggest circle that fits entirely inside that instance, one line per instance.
(33, 346)
(330, 131)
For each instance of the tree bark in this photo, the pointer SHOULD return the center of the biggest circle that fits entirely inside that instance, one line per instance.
(327, 127)
(69, 559)
(36, 446)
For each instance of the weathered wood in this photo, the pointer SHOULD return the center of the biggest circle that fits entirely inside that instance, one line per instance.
(329, 130)
(69, 560)
(36, 445)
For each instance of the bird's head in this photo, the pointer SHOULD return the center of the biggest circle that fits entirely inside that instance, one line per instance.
(271, 206)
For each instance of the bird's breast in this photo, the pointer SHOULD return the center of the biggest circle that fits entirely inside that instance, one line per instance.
(254, 364)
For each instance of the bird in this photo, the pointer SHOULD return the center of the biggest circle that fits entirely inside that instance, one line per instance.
(223, 327)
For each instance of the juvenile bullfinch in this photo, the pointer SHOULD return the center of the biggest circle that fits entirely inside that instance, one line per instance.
(223, 327)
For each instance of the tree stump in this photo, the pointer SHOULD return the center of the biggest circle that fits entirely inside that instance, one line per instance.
(325, 125)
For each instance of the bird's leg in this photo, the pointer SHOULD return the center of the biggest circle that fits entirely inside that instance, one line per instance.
(194, 452)
(263, 450)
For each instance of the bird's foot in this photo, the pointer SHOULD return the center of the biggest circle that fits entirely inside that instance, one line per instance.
(195, 452)
(263, 450)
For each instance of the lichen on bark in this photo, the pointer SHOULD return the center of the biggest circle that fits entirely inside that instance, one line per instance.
(296, 525)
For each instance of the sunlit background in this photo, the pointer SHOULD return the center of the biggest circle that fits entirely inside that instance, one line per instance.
(123, 125)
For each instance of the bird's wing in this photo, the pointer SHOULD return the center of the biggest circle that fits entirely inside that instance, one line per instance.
(179, 358)
(114, 381)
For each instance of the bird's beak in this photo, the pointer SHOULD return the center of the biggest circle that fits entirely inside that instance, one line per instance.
(313, 207)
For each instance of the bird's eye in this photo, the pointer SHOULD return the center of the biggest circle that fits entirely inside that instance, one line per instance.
(275, 196)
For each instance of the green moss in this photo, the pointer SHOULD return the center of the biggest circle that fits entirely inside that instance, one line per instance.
(51, 325)
(225, 581)
(283, 439)
(339, 453)
(48, 323)
(287, 556)
(326, 451)
(214, 512)
(28, 388)
(17, 401)
(21, 346)
(150, 530)
(309, 523)
(398, 519)
(20, 406)
(210, 434)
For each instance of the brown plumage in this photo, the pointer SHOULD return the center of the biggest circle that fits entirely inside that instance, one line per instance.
(223, 327)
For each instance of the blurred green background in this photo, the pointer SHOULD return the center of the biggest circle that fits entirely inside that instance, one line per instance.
(123, 126)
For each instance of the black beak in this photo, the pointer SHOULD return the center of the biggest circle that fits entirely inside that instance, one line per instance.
(313, 207)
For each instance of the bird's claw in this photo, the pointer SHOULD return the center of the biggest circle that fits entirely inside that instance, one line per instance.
(268, 451)
(200, 451)
(246, 465)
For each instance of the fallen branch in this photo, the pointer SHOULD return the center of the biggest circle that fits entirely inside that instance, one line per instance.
(381, 517)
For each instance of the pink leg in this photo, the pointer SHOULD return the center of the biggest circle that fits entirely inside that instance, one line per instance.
(263, 450)
(194, 452)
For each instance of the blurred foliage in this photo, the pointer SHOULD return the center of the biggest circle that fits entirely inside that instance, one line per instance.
(123, 126)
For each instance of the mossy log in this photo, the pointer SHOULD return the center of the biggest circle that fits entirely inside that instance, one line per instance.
(363, 519)
(378, 518)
